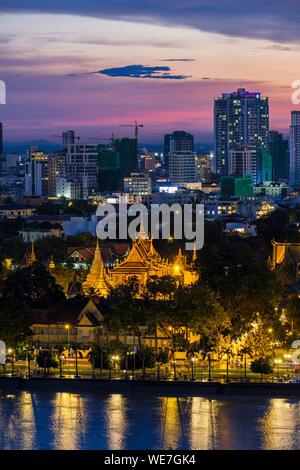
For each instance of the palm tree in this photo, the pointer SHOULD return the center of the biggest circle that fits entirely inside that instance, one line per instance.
(228, 351)
(246, 351)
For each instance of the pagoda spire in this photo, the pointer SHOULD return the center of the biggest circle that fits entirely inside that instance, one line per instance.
(142, 233)
(30, 257)
(180, 256)
(51, 264)
(33, 257)
(194, 258)
(97, 279)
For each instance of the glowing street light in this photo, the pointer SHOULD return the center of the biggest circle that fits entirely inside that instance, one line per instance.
(193, 361)
(12, 356)
(67, 327)
(115, 360)
(277, 362)
(288, 358)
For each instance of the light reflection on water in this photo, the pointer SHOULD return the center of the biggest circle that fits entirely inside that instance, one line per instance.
(54, 420)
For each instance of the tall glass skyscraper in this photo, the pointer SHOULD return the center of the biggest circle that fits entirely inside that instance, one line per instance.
(295, 149)
(241, 119)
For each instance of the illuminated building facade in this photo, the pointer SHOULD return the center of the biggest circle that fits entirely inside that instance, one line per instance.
(142, 263)
(241, 118)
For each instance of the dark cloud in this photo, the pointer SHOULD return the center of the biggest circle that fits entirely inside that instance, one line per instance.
(268, 19)
(178, 60)
(141, 71)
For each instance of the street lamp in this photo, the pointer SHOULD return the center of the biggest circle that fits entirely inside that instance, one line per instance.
(277, 362)
(287, 357)
(67, 327)
(193, 360)
(61, 366)
(115, 360)
(270, 330)
(133, 365)
(126, 365)
(209, 366)
(76, 362)
(12, 356)
(174, 365)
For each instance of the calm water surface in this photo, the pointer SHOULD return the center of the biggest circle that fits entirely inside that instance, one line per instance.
(55, 420)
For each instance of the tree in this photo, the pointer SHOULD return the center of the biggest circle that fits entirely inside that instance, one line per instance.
(13, 248)
(273, 226)
(198, 308)
(15, 321)
(293, 314)
(82, 239)
(34, 287)
(25, 351)
(244, 283)
(144, 358)
(101, 355)
(261, 366)
(246, 351)
(51, 246)
(228, 351)
(46, 359)
(128, 310)
(157, 298)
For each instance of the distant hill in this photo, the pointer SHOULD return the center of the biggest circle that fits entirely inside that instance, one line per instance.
(21, 147)
(48, 146)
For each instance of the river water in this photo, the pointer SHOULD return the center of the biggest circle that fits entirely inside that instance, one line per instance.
(56, 420)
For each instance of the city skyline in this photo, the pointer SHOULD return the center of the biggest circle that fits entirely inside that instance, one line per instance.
(94, 67)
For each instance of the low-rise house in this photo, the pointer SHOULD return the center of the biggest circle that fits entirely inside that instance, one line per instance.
(12, 211)
(33, 234)
(242, 229)
(83, 322)
(112, 253)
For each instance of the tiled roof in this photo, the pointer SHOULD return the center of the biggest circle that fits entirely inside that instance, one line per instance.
(108, 250)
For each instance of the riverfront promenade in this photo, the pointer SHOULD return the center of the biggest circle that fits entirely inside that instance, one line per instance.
(170, 388)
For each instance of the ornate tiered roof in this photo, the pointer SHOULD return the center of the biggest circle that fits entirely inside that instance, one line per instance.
(29, 257)
(142, 262)
(97, 281)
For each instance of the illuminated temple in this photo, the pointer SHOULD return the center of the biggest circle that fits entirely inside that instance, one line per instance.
(142, 262)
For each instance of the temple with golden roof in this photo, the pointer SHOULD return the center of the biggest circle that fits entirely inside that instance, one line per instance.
(30, 257)
(142, 262)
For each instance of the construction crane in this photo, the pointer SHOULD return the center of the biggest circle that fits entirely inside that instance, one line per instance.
(136, 128)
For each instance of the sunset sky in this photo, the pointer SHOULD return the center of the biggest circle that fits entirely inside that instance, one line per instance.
(87, 66)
